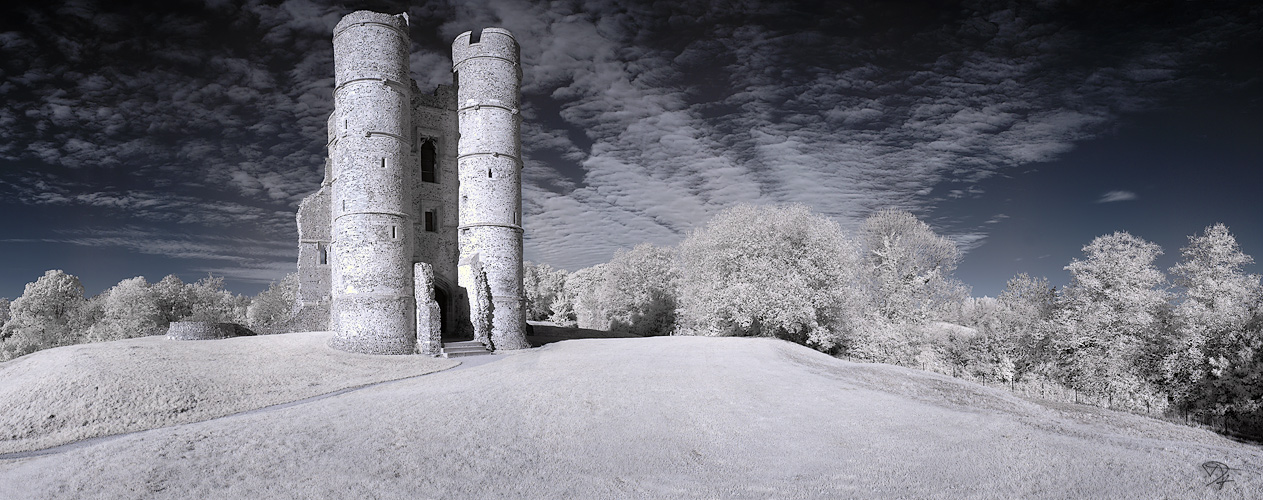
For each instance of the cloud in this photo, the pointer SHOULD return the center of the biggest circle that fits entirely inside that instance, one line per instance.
(1114, 196)
(642, 120)
(998, 218)
(252, 260)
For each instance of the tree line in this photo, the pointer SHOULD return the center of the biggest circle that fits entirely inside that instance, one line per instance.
(53, 311)
(1122, 334)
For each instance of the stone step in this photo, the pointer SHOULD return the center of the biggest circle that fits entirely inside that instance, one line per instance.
(466, 348)
(465, 354)
(465, 343)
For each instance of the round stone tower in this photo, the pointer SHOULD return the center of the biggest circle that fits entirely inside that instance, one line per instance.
(373, 309)
(489, 159)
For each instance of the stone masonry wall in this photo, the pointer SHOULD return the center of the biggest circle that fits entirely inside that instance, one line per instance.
(362, 232)
(205, 330)
(372, 284)
(429, 329)
(490, 163)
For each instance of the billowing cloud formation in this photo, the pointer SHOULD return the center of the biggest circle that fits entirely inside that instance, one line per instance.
(641, 121)
(1113, 196)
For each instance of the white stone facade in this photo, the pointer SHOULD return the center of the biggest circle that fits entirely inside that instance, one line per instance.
(400, 189)
(490, 161)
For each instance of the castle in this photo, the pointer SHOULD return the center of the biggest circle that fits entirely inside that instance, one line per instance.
(415, 235)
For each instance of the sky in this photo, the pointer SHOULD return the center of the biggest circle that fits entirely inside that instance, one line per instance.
(179, 137)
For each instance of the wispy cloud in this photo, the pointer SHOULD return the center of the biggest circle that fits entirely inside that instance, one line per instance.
(1114, 196)
(998, 218)
(252, 260)
(642, 120)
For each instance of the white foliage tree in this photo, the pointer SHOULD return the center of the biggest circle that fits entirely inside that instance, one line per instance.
(769, 271)
(637, 290)
(42, 317)
(4, 311)
(1027, 306)
(129, 309)
(1110, 320)
(205, 300)
(908, 266)
(907, 280)
(579, 303)
(544, 288)
(274, 305)
(209, 301)
(1214, 341)
(173, 301)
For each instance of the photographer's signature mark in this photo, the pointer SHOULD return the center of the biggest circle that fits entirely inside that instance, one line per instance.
(1217, 472)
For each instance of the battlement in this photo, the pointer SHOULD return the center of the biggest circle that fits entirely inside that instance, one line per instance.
(491, 42)
(399, 22)
(369, 46)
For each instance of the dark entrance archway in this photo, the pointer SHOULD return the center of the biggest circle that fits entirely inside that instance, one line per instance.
(447, 323)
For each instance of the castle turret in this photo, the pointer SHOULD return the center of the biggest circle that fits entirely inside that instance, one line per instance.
(488, 81)
(373, 308)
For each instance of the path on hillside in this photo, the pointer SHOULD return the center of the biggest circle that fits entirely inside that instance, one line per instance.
(467, 362)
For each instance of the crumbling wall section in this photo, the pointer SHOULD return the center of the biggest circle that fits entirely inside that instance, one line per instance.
(482, 307)
(205, 330)
(429, 321)
(311, 308)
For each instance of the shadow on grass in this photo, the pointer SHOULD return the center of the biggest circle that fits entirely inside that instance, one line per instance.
(546, 333)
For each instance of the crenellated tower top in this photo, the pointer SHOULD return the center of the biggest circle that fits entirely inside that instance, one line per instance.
(370, 45)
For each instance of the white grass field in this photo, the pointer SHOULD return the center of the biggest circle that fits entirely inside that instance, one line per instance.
(666, 417)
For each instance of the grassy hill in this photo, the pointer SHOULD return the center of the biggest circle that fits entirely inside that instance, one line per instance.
(664, 417)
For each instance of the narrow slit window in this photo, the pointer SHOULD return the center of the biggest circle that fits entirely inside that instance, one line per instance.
(488, 173)
(431, 222)
(322, 254)
(393, 234)
(429, 157)
(383, 163)
(515, 218)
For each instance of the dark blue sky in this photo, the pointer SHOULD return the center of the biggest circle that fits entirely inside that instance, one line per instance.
(1188, 167)
(178, 137)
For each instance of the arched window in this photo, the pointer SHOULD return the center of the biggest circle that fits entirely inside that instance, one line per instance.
(429, 162)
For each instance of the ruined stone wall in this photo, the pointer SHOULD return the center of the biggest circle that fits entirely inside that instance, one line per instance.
(489, 160)
(373, 308)
(313, 260)
(429, 321)
(434, 120)
(205, 330)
